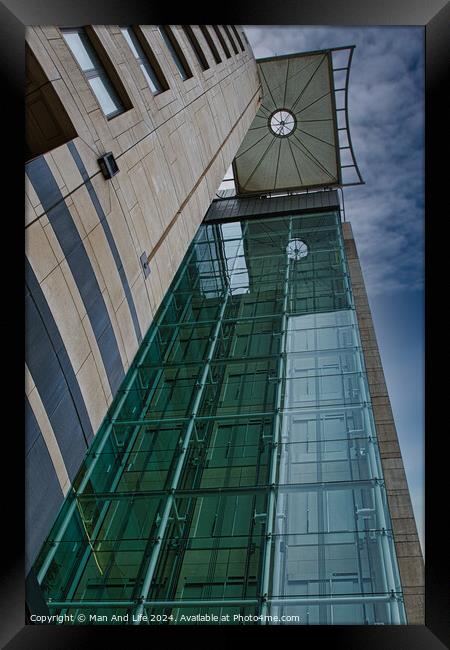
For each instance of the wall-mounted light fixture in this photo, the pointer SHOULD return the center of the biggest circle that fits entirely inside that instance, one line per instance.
(108, 165)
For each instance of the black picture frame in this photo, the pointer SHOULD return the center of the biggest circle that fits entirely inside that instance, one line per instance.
(434, 15)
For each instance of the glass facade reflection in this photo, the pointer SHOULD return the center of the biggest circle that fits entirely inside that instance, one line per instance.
(237, 472)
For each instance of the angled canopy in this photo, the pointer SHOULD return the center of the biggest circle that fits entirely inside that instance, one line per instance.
(292, 143)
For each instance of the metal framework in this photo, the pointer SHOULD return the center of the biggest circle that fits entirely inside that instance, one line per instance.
(341, 127)
(170, 503)
(345, 129)
(238, 470)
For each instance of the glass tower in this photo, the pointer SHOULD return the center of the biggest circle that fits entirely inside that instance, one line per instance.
(237, 477)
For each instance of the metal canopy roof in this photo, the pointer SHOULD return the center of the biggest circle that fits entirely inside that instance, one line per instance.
(296, 139)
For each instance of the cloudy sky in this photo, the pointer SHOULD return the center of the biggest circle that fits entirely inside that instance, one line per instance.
(386, 109)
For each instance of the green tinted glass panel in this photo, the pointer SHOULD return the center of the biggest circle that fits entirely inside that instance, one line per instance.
(237, 474)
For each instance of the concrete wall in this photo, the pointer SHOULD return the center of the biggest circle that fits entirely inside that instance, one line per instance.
(406, 539)
(88, 302)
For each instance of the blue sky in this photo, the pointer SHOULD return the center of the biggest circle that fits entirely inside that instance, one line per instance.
(386, 109)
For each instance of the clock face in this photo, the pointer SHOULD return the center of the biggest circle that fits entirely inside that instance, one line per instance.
(296, 249)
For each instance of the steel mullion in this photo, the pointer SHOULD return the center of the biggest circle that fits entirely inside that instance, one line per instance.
(265, 577)
(120, 470)
(71, 509)
(154, 557)
(209, 491)
(235, 602)
(126, 456)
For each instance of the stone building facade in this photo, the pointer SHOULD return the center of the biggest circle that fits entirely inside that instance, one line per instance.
(101, 253)
(406, 539)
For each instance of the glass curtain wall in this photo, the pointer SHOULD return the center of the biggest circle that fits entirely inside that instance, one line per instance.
(236, 478)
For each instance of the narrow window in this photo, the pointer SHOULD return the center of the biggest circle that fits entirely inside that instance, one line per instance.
(146, 60)
(211, 44)
(47, 124)
(230, 38)
(175, 50)
(196, 47)
(111, 102)
(222, 41)
(238, 38)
